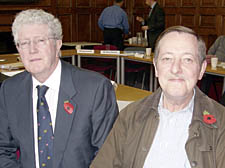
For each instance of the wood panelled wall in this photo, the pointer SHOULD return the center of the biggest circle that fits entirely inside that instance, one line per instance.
(79, 17)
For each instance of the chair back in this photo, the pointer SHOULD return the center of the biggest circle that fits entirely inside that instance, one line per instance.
(105, 47)
(140, 50)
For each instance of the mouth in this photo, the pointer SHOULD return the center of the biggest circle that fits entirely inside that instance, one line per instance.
(176, 80)
(35, 59)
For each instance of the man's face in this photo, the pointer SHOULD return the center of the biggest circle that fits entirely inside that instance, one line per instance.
(38, 50)
(178, 68)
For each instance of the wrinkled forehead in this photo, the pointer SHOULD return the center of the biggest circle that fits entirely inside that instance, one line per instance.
(33, 30)
(179, 42)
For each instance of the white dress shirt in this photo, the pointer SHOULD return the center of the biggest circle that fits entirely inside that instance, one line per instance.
(53, 82)
(168, 147)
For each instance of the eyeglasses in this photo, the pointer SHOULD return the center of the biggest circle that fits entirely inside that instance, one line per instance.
(40, 42)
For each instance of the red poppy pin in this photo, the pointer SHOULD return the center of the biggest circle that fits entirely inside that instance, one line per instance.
(68, 107)
(208, 118)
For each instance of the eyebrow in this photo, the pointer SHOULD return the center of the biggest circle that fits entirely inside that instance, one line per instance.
(171, 53)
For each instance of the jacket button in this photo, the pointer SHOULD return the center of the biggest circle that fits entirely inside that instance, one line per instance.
(193, 163)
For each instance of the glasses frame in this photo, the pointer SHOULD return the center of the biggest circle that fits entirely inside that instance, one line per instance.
(39, 42)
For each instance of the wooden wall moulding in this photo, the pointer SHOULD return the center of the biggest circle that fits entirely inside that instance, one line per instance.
(208, 3)
(171, 20)
(223, 26)
(139, 4)
(170, 3)
(101, 3)
(208, 21)
(64, 3)
(83, 27)
(188, 3)
(188, 20)
(84, 3)
(66, 21)
(79, 17)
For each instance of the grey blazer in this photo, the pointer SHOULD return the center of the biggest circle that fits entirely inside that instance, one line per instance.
(78, 136)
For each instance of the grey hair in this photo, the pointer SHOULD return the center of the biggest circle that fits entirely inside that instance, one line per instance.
(37, 16)
(182, 29)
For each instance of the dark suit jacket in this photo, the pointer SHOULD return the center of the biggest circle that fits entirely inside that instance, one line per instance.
(156, 23)
(78, 136)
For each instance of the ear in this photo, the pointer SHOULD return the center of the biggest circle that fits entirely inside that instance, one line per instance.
(202, 70)
(155, 67)
(58, 46)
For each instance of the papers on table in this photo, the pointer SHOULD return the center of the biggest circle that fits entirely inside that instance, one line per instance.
(80, 43)
(11, 66)
(85, 51)
(12, 73)
(116, 52)
(222, 64)
(127, 54)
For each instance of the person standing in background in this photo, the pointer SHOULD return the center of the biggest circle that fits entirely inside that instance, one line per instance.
(55, 114)
(154, 24)
(114, 23)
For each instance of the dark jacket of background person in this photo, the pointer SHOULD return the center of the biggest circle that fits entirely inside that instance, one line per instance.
(156, 23)
(136, 127)
(77, 136)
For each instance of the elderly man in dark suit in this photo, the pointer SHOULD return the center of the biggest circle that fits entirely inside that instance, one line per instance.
(55, 114)
(154, 24)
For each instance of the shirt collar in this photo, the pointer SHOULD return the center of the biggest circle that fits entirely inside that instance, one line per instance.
(152, 6)
(54, 79)
(188, 108)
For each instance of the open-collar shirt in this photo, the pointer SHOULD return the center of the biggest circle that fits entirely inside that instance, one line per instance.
(168, 147)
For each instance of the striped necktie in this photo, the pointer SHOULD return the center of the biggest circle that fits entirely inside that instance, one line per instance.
(45, 132)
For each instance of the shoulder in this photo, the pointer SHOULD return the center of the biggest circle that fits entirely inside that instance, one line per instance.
(141, 110)
(17, 80)
(221, 38)
(204, 103)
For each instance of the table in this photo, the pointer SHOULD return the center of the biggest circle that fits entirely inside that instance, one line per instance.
(153, 80)
(71, 44)
(219, 71)
(12, 58)
(127, 93)
(97, 54)
(135, 45)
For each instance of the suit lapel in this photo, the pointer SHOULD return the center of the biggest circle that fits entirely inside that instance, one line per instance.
(64, 120)
(151, 13)
(24, 114)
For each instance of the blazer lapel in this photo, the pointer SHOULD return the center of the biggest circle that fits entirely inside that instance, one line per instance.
(64, 119)
(24, 114)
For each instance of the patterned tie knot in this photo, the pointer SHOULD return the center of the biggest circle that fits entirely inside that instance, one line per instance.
(42, 89)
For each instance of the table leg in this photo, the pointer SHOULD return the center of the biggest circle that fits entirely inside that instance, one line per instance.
(118, 69)
(122, 71)
(79, 61)
(73, 60)
(151, 79)
(223, 85)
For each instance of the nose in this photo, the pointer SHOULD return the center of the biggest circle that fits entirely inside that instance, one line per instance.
(176, 66)
(33, 47)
